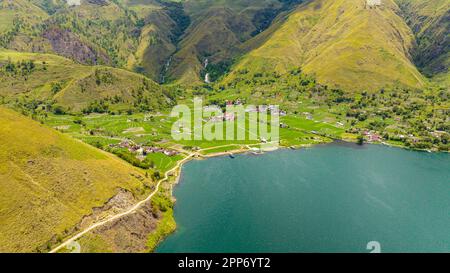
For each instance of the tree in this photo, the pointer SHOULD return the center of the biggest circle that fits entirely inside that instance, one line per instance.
(156, 176)
(360, 140)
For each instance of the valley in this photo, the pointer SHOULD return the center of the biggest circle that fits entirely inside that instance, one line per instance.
(87, 88)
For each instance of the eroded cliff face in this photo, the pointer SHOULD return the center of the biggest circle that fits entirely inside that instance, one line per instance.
(69, 45)
(128, 234)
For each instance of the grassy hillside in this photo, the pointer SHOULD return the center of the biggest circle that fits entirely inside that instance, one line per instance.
(430, 22)
(345, 43)
(163, 22)
(50, 181)
(165, 40)
(43, 80)
(18, 14)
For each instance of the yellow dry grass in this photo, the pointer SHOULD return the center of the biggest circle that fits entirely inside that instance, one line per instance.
(49, 181)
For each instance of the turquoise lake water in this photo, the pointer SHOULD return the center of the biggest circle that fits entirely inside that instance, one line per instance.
(330, 198)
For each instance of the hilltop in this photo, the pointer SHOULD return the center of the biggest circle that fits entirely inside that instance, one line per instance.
(346, 44)
(52, 82)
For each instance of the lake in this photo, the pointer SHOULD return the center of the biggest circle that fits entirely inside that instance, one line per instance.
(329, 198)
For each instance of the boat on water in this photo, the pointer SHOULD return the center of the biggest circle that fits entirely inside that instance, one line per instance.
(232, 156)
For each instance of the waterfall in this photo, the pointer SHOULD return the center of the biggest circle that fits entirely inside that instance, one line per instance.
(207, 78)
(166, 68)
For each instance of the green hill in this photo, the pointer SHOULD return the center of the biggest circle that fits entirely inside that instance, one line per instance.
(43, 80)
(16, 15)
(345, 43)
(50, 181)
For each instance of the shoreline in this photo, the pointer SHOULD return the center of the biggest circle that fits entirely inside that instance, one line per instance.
(176, 173)
(339, 142)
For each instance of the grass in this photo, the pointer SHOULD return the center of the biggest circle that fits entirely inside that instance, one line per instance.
(102, 130)
(349, 46)
(81, 85)
(229, 148)
(166, 224)
(50, 181)
(163, 162)
(6, 20)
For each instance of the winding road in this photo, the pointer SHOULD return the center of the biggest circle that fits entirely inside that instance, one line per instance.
(72, 239)
(129, 211)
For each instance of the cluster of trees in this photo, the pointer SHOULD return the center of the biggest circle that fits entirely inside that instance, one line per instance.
(56, 87)
(162, 203)
(128, 156)
(8, 36)
(216, 71)
(103, 76)
(23, 68)
(417, 118)
(100, 106)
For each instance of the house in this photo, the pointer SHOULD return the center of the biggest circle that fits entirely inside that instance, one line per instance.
(262, 108)
(374, 138)
(229, 117)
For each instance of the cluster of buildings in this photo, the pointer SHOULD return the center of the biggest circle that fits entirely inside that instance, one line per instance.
(235, 102)
(372, 136)
(224, 117)
(143, 150)
(265, 109)
(233, 116)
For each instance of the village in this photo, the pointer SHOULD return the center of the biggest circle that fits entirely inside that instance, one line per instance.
(238, 102)
(142, 150)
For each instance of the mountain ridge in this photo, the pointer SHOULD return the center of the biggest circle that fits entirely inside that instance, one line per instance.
(331, 39)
